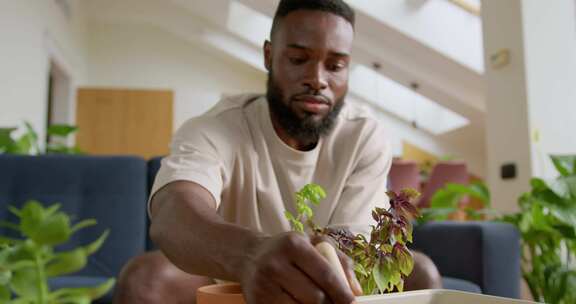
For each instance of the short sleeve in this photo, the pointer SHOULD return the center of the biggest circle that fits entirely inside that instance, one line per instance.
(193, 157)
(366, 186)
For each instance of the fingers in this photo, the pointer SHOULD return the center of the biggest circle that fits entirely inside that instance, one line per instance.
(319, 270)
(348, 266)
(285, 298)
(300, 286)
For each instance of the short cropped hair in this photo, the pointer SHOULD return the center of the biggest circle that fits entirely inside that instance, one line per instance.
(336, 7)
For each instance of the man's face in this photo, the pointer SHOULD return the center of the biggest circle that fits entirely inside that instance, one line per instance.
(308, 63)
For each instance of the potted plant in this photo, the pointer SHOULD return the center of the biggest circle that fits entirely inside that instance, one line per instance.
(447, 204)
(382, 261)
(27, 264)
(547, 225)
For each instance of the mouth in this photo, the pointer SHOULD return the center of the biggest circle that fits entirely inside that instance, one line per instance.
(312, 104)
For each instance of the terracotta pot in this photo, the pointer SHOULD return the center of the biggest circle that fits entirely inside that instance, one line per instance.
(220, 294)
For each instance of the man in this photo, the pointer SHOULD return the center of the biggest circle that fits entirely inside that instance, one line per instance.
(218, 201)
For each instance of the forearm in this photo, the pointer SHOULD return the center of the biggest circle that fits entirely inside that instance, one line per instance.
(193, 236)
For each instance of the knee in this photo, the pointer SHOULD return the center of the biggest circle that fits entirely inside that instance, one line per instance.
(144, 279)
(425, 274)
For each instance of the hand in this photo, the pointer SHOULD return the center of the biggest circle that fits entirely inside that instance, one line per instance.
(288, 269)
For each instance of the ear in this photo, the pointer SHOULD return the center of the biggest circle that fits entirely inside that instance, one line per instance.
(267, 55)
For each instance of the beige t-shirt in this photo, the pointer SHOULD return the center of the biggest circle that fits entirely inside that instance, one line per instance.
(233, 151)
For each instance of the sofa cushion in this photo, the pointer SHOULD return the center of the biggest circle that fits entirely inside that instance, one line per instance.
(110, 189)
(461, 285)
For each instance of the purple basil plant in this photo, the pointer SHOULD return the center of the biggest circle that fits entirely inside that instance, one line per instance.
(384, 261)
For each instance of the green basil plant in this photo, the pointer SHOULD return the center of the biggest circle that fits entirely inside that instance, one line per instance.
(27, 263)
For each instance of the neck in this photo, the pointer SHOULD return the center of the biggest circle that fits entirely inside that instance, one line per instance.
(291, 141)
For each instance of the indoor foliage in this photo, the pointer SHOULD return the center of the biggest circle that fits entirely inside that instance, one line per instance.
(381, 263)
(27, 143)
(547, 224)
(27, 264)
(446, 203)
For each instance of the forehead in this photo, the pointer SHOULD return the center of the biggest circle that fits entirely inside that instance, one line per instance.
(315, 30)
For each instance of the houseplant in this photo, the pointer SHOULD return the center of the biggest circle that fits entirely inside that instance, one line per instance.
(27, 264)
(27, 143)
(382, 262)
(447, 203)
(547, 224)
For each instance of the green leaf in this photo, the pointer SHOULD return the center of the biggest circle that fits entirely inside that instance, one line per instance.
(54, 230)
(6, 141)
(94, 246)
(5, 277)
(92, 293)
(435, 214)
(83, 224)
(299, 227)
(5, 294)
(32, 215)
(61, 130)
(24, 282)
(445, 198)
(15, 211)
(565, 164)
(381, 275)
(9, 225)
(15, 266)
(67, 262)
(404, 260)
(359, 269)
(23, 251)
(24, 144)
(289, 216)
(32, 135)
(52, 209)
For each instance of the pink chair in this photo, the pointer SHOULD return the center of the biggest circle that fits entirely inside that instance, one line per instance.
(404, 174)
(442, 174)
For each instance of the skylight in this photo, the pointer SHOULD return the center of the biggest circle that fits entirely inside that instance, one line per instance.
(441, 25)
(403, 102)
(248, 23)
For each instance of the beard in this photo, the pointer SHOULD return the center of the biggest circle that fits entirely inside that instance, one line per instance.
(307, 129)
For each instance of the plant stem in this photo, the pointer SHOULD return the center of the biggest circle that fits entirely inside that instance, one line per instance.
(42, 288)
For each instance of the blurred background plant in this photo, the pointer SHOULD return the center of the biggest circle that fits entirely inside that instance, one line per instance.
(452, 203)
(27, 143)
(27, 263)
(547, 224)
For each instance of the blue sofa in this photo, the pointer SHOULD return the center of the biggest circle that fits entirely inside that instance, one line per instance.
(478, 257)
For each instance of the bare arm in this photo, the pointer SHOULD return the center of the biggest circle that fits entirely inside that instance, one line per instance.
(187, 228)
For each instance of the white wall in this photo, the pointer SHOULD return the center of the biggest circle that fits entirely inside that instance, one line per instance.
(534, 93)
(551, 100)
(142, 56)
(33, 32)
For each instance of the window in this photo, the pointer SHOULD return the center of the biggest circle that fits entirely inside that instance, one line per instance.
(404, 103)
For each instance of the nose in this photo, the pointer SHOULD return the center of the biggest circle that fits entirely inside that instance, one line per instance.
(315, 78)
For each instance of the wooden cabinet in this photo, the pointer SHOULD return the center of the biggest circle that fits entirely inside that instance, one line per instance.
(124, 122)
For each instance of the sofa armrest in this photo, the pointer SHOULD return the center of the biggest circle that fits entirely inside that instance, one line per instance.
(485, 253)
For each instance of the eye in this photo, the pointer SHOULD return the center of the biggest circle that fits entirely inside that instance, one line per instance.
(337, 66)
(297, 60)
